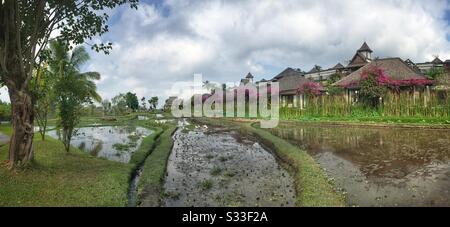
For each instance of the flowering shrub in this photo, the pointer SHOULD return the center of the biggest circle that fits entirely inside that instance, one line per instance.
(373, 86)
(382, 79)
(310, 89)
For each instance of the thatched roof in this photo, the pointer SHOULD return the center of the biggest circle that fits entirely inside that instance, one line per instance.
(290, 80)
(365, 47)
(287, 72)
(338, 66)
(394, 68)
(409, 62)
(262, 81)
(437, 61)
(315, 69)
(358, 60)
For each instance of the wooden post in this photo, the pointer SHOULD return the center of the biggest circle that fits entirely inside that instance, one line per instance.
(295, 101)
(427, 96)
(301, 102)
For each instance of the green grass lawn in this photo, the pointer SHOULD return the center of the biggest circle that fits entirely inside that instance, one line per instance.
(60, 179)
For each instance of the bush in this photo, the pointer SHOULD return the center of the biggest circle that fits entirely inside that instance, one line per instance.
(5, 111)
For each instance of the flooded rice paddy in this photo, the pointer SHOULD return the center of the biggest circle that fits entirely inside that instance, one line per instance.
(379, 166)
(142, 118)
(219, 167)
(115, 143)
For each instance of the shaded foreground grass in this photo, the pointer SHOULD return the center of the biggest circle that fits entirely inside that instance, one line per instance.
(311, 182)
(150, 186)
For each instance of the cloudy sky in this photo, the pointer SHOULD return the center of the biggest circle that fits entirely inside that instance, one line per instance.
(168, 41)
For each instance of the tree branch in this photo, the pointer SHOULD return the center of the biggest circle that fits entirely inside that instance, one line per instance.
(17, 20)
(39, 17)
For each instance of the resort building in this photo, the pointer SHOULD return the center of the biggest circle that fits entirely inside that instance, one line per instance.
(362, 57)
(405, 76)
(426, 66)
(396, 71)
(248, 79)
(290, 80)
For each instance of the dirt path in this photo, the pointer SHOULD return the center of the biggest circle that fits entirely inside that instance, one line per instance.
(217, 167)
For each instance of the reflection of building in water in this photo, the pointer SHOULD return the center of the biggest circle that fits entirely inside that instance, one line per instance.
(372, 149)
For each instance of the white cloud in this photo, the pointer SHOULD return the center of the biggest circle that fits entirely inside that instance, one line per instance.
(223, 40)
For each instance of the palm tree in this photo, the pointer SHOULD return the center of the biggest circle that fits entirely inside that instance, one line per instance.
(72, 87)
(66, 67)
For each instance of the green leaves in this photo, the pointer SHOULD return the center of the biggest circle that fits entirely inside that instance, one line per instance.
(153, 102)
(83, 20)
(72, 88)
(371, 91)
(435, 73)
(132, 101)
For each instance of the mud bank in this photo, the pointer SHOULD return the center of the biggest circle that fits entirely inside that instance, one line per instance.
(219, 167)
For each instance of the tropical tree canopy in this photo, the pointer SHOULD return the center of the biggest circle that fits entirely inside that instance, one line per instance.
(26, 27)
(153, 102)
(132, 101)
(72, 87)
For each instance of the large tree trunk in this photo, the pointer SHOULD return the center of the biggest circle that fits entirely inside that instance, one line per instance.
(16, 67)
(21, 143)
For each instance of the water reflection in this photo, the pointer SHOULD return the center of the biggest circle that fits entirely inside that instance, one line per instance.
(380, 166)
(115, 143)
(142, 118)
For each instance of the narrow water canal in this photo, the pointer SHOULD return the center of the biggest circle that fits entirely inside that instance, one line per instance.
(379, 166)
(219, 167)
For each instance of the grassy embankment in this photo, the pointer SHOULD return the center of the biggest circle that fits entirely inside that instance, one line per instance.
(150, 188)
(373, 120)
(57, 178)
(311, 182)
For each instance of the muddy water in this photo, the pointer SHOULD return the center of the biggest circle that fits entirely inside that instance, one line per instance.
(217, 167)
(380, 166)
(115, 143)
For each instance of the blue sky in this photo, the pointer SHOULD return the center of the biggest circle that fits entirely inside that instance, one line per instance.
(168, 41)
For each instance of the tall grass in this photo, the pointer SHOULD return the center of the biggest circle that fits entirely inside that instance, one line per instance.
(427, 104)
